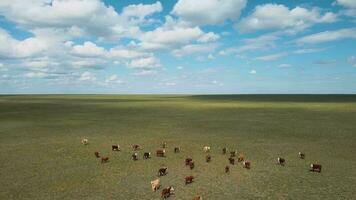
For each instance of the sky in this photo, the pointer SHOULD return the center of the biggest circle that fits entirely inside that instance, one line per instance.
(177, 47)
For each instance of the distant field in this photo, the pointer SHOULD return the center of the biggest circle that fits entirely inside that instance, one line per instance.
(41, 156)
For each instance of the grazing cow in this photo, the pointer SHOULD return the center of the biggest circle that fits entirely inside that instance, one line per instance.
(155, 184)
(281, 161)
(208, 158)
(189, 179)
(240, 158)
(301, 155)
(233, 153)
(176, 150)
(232, 161)
(104, 159)
(224, 150)
(134, 156)
(188, 160)
(164, 145)
(97, 154)
(191, 165)
(206, 149)
(247, 164)
(198, 198)
(166, 192)
(136, 147)
(315, 168)
(162, 171)
(147, 155)
(227, 169)
(115, 147)
(85, 141)
(161, 153)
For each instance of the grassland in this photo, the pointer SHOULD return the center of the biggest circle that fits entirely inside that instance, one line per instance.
(41, 156)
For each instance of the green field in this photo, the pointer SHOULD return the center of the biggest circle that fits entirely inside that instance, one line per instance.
(42, 157)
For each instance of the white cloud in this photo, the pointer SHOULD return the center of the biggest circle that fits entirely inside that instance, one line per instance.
(347, 3)
(352, 60)
(13, 48)
(284, 65)
(328, 36)
(139, 12)
(191, 49)
(278, 16)
(211, 57)
(263, 42)
(180, 67)
(113, 79)
(87, 76)
(122, 53)
(35, 74)
(148, 63)
(305, 51)
(271, 57)
(209, 12)
(88, 49)
(253, 72)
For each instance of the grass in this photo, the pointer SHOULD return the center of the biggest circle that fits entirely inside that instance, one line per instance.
(42, 157)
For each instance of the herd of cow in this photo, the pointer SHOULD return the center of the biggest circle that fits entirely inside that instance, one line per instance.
(166, 192)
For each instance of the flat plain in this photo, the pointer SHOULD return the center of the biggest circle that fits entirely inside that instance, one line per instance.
(42, 156)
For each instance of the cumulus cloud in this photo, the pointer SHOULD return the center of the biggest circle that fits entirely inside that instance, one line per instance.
(88, 49)
(87, 76)
(191, 49)
(148, 63)
(328, 36)
(210, 12)
(280, 17)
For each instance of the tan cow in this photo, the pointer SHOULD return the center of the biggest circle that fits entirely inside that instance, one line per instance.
(85, 141)
(155, 184)
(206, 149)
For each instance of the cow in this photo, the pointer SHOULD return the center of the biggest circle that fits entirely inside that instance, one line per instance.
(227, 169)
(164, 145)
(162, 171)
(301, 155)
(191, 165)
(232, 153)
(85, 141)
(281, 161)
(97, 154)
(240, 158)
(206, 149)
(208, 158)
(104, 159)
(134, 156)
(115, 147)
(224, 150)
(166, 192)
(188, 160)
(189, 179)
(155, 184)
(247, 164)
(147, 155)
(232, 161)
(315, 168)
(176, 150)
(136, 147)
(161, 153)
(198, 198)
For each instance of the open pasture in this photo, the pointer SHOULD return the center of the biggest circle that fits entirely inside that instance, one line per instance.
(42, 156)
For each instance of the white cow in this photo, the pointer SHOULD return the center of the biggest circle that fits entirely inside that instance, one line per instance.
(155, 184)
(206, 149)
(85, 141)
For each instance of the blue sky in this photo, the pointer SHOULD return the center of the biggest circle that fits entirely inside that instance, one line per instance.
(177, 46)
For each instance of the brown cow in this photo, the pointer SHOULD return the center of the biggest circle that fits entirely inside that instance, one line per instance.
(232, 161)
(281, 161)
(166, 192)
(315, 168)
(189, 179)
(191, 165)
(240, 158)
(188, 160)
(176, 150)
(115, 147)
(97, 154)
(224, 150)
(147, 155)
(136, 147)
(227, 169)
(247, 164)
(198, 198)
(134, 156)
(301, 155)
(104, 159)
(162, 171)
(161, 153)
(208, 158)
